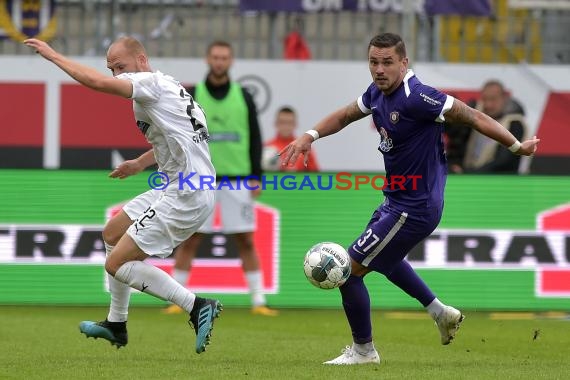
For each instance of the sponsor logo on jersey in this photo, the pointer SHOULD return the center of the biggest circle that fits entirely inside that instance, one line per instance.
(385, 141)
(429, 100)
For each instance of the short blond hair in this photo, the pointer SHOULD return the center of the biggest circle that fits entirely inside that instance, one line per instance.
(133, 46)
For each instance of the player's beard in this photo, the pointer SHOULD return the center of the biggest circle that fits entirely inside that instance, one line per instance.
(221, 76)
(384, 84)
(387, 86)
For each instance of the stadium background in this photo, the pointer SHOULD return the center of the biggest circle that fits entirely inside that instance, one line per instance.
(504, 242)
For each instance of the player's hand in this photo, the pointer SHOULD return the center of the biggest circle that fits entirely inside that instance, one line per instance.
(290, 154)
(126, 169)
(256, 186)
(528, 147)
(41, 48)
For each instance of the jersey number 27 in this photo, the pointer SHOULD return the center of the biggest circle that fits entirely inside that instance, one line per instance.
(190, 110)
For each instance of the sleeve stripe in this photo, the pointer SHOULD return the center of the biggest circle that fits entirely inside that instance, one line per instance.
(362, 107)
(446, 107)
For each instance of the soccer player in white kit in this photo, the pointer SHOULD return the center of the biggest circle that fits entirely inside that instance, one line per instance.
(155, 222)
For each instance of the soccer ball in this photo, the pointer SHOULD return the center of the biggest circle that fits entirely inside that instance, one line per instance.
(327, 265)
(270, 159)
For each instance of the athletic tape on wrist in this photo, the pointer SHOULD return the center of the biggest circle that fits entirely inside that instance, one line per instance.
(515, 147)
(313, 133)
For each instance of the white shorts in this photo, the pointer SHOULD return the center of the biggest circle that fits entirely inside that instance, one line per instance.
(237, 209)
(164, 219)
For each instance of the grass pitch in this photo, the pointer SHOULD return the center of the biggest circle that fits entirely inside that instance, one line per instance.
(45, 343)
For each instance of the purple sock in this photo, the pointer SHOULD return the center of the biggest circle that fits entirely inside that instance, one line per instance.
(408, 280)
(356, 303)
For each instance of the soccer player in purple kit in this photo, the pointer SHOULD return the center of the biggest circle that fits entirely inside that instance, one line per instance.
(409, 118)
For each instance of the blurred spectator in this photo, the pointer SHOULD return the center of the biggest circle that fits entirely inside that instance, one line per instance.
(235, 148)
(296, 47)
(468, 151)
(285, 125)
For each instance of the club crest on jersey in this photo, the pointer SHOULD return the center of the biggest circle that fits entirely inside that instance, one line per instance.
(385, 141)
(394, 117)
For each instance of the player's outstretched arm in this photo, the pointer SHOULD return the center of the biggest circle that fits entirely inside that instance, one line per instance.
(132, 167)
(461, 113)
(331, 124)
(85, 75)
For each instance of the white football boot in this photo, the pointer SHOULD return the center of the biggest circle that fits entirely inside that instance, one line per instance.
(448, 322)
(350, 356)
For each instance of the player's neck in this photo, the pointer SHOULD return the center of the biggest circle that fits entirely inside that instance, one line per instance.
(397, 84)
(393, 89)
(218, 81)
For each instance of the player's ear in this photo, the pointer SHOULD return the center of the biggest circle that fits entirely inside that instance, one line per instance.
(142, 59)
(405, 65)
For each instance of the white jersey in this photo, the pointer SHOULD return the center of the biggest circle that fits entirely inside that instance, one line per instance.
(174, 124)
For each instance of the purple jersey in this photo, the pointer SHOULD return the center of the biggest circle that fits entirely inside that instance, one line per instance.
(409, 121)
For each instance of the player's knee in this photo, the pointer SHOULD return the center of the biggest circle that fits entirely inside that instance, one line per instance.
(111, 267)
(110, 235)
(358, 269)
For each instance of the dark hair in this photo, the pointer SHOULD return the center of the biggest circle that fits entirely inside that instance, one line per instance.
(496, 83)
(220, 43)
(388, 40)
(286, 109)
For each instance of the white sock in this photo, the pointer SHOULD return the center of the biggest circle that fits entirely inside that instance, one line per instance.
(120, 296)
(364, 349)
(435, 308)
(149, 279)
(181, 276)
(255, 283)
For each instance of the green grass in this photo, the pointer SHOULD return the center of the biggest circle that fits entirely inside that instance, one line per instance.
(44, 343)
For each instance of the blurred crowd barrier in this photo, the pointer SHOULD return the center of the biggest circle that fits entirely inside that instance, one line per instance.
(502, 31)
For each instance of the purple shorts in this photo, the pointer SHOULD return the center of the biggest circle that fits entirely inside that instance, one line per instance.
(390, 234)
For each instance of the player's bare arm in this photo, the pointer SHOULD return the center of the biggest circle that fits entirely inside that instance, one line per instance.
(331, 124)
(85, 75)
(463, 114)
(132, 167)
